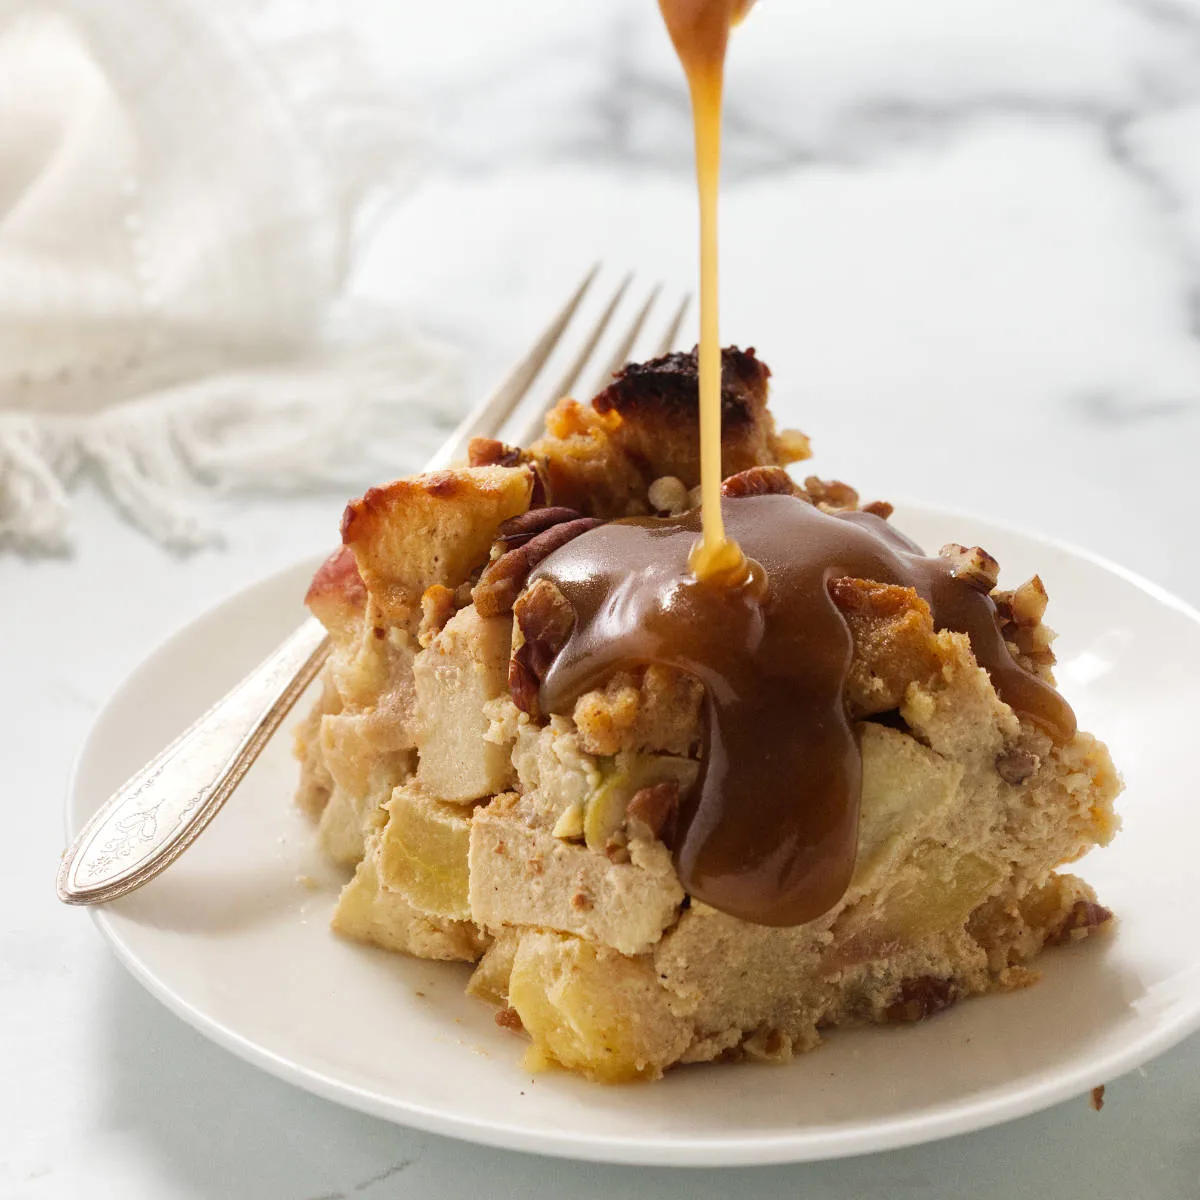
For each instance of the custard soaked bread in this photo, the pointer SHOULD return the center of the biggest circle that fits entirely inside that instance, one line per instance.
(672, 828)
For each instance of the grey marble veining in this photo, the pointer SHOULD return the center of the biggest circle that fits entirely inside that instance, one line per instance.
(973, 223)
(867, 91)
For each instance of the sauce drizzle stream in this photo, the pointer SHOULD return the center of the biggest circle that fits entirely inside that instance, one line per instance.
(700, 31)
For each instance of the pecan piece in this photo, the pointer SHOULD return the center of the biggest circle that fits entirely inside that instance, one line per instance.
(488, 452)
(656, 807)
(879, 508)
(972, 565)
(518, 530)
(509, 1018)
(1084, 918)
(1021, 613)
(616, 849)
(1015, 766)
(504, 578)
(523, 682)
(920, 998)
(544, 619)
(831, 495)
(760, 481)
(1028, 603)
(794, 446)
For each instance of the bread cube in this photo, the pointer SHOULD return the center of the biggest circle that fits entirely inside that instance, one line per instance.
(938, 889)
(905, 787)
(368, 912)
(423, 852)
(521, 874)
(593, 1010)
(464, 667)
(316, 784)
(362, 778)
(434, 528)
(489, 980)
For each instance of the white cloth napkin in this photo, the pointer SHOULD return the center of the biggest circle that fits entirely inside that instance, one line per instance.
(185, 186)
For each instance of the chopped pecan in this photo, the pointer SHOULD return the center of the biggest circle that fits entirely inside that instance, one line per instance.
(504, 577)
(509, 1018)
(656, 807)
(832, 495)
(1028, 603)
(760, 481)
(1015, 766)
(544, 619)
(488, 452)
(921, 997)
(1084, 918)
(794, 446)
(1028, 639)
(523, 683)
(972, 565)
(616, 849)
(879, 508)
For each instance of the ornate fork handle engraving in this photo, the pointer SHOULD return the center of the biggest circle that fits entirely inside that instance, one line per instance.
(146, 824)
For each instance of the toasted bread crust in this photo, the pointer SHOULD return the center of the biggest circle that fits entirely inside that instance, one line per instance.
(428, 529)
(337, 596)
(669, 386)
(602, 458)
(895, 643)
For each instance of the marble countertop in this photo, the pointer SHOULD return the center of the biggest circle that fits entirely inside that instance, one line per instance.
(966, 236)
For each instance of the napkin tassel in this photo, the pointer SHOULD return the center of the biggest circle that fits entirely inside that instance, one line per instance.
(339, 418)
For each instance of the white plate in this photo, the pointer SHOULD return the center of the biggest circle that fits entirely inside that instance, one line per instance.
(234, 937)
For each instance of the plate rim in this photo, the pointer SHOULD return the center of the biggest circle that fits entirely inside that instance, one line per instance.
(803, 1145)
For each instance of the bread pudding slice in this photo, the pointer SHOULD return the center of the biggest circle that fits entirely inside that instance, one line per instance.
(543, 845)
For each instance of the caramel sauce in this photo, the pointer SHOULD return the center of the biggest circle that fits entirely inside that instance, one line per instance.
(700, 31)
(770, 832)
(737, 595)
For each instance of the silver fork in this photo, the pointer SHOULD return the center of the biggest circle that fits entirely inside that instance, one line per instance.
(155, 816)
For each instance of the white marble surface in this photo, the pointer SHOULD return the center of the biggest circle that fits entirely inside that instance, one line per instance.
(966, 236)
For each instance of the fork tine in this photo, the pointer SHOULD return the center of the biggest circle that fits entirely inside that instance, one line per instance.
(567, 382)
(620, 356)
(488, 416)
(532, 429)
(672, 332)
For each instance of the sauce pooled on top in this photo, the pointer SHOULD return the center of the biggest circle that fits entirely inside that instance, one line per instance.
(770, 832)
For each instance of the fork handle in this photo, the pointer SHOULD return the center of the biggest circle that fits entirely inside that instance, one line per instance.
(153, 818)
